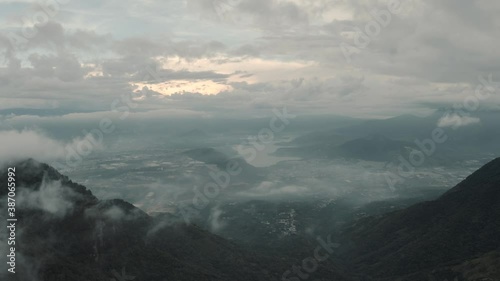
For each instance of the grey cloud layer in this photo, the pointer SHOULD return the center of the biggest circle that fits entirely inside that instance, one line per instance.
(428, 55)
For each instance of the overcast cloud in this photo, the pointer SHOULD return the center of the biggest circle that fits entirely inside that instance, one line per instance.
(212, 56)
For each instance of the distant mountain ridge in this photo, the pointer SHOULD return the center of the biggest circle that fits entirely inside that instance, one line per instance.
(375, 147)
(212, 156)
(464, 141)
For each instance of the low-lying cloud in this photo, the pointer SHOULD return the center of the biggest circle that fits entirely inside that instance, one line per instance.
(52, 198)
(19, 145)
(456, 121)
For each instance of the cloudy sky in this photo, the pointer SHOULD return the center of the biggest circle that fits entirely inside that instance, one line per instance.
(361, 58)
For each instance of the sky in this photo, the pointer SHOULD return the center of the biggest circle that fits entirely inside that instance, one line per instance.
(366, 59)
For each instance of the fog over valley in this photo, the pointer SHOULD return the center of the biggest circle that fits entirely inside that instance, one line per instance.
(249, 140)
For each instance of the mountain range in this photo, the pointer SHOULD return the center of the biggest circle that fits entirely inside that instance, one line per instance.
(453, 237)
(66, 233)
